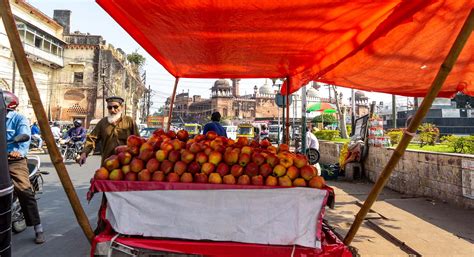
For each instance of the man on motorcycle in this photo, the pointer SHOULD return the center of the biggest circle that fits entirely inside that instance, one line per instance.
(36, 135)
(17, 124)
(77, 134)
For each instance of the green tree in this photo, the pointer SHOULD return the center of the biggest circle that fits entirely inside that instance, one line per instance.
(328, 119)
(136, 59)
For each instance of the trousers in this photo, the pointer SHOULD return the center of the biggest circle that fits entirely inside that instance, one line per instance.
(23, 190)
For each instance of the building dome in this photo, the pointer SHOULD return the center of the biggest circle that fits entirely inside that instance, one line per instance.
(221, 83)
(266, 90)
(311, 92)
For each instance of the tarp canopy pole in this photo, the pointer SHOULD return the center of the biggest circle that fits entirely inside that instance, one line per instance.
(435, 88)
(287, 133)
(28, 79)
(173, 96)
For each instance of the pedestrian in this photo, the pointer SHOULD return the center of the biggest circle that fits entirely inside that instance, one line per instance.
(36, 135)
(312, 142)
(17, 124)
(110, 131)
(214, 125)
(56, 130)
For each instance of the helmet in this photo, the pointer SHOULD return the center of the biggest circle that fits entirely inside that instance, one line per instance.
(11, 100)
(56, 124)
(77, 123)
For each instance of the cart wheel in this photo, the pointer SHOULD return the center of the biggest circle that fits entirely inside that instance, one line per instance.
(313, 155)
(19, 226)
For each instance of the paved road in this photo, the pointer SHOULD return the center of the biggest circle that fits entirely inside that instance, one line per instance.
(64, 237)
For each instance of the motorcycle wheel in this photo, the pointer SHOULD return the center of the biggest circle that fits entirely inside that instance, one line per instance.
(19, 226)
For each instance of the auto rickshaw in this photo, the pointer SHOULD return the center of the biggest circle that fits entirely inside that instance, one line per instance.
(246, 130)
(193, 129)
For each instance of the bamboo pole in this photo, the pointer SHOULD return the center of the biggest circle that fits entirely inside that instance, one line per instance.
(28, 79)
(173, 96)
(420, 114)
(287, 122)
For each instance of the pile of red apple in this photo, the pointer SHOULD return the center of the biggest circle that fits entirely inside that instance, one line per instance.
(173, 157)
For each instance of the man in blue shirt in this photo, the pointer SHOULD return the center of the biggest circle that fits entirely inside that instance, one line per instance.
(17, 124)
(214, 125)
(77, 133)
(35, 134)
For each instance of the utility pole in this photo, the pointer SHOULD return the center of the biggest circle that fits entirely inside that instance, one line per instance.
(353, 116)
(394, 111)
(148, 104)
(104, 67)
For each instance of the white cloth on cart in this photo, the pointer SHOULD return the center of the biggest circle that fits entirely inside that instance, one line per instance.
(285, 216)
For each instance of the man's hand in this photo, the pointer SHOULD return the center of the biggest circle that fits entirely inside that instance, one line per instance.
(82, 159)
(14, 155)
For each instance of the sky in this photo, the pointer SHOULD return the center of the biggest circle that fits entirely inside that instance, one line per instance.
(88, 16)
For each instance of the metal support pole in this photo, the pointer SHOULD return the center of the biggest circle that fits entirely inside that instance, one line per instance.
(394, 111)
(436, 86)
(27, 76)
(173, 96)
(287, 132)
(303, 119)
(13, 77)
(353, 116)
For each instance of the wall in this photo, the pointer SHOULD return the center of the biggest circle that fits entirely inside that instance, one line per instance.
(434, 175)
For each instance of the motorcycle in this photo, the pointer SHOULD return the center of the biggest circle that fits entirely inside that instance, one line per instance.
(69, 149)
(36, 180)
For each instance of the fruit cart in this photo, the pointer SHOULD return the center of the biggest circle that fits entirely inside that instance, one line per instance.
(131, 221)
(396, 47)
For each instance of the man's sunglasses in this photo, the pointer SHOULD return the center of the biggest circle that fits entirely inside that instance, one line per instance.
(110, 107)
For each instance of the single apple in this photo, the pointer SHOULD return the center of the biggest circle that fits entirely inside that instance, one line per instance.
(171, 134)
(174, 156)
(120, 149)
(112, 163)
(166, 166)
(317, 182)
(180, 167)
(134, 140)
(271, 181)
(251, 169)
(194, 167)
(116, 174)
(273, 160)
(279, 170)
(231, 157)
(200, 178)
(186, 177)
(243, 141)
(187, 156)
(293, 172)
(172, 177)
(272, 149)
(101, 174)
(161, 155)
(243, 180)
(124, 157)
(265, 170)
(131, 176)
(223, 169)
(300, 160)
(158, 176)
(307, 172)
(201, 158)
(215, 178)
(144, 175)
(283, 148)
(153, 165)
(211, 135)
(236, 170)
(199, 138)
(126, 169)
(284, 181)
(258, 158)
(244, 158)
(182, 135)
(247, 149)
(195, 148)
(215, 157)
(265, 143)
(146, 154)
(229, 179)
(136, 165)
(257, 180)
(207, 168)
(167, 146)
(299, 182)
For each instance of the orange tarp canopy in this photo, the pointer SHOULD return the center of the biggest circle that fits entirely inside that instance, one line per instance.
(391, 46)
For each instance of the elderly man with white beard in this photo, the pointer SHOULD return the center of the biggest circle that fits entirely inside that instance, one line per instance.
(111, 131)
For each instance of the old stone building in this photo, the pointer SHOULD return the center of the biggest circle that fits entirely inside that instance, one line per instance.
(44, 47)
(92, 71)
(225, 98)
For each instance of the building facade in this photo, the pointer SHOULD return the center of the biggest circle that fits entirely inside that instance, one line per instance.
(44, 47)
(235, 108)
(74, 72)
